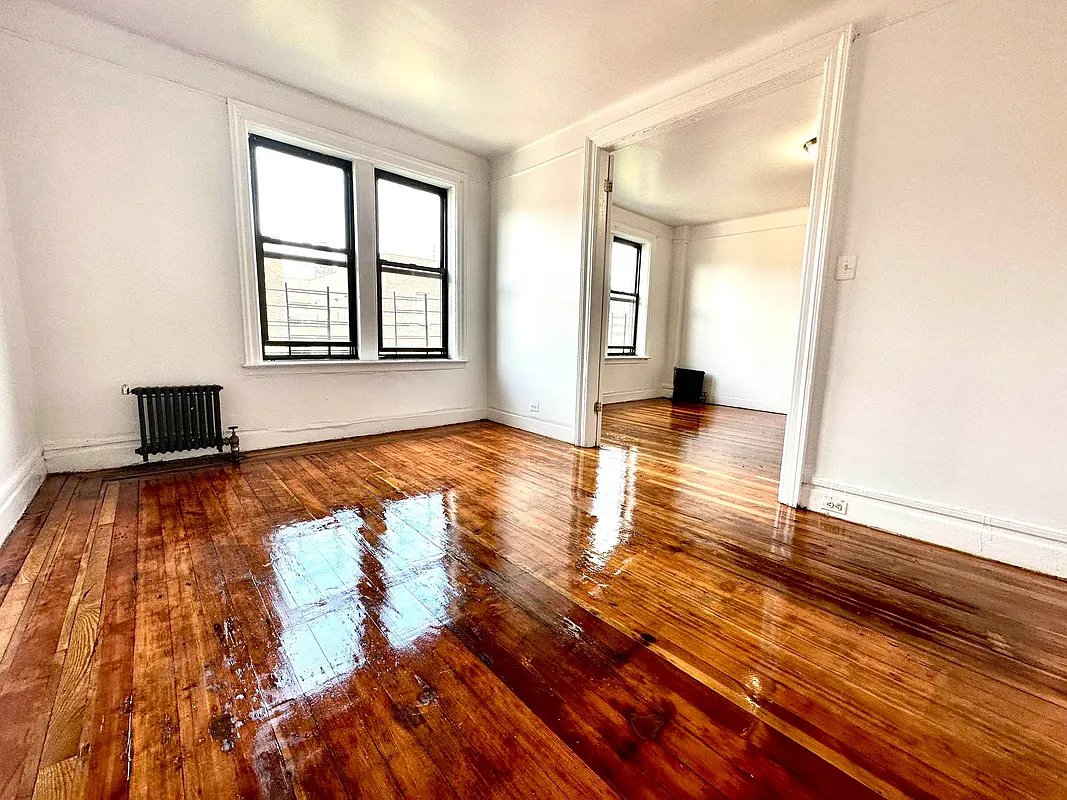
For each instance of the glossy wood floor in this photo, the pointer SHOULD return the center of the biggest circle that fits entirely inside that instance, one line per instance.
(479, 612)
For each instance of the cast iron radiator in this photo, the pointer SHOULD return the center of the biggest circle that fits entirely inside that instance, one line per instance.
(174, 418)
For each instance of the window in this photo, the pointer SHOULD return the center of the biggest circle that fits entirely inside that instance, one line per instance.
(305, 251)
(625, 299)
(412, 267)
(349, 252)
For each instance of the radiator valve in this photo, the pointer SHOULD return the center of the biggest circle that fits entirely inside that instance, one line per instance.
(234, 442)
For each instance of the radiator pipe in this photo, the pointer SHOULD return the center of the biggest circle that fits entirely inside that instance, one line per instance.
(234, 443)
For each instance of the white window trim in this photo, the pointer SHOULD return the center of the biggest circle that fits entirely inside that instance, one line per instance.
(640, 237)
(365, 157)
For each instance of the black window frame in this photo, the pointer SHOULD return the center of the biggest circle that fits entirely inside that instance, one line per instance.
(350, 346)
(622, 351)
(397, 267)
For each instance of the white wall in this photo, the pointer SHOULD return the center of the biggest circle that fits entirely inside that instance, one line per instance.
(537, 221)
(639, 378)
(21, 466)
(741, 308)
(118, 161)
(946, 371)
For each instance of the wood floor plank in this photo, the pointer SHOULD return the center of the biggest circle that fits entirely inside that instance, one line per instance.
(155, 747)
(21, 540)
(66, 725)
(205, 700)
(38, 559)
(33, 664)
(106, 745)
(476, 611)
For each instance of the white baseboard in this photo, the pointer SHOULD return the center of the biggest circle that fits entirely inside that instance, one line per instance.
(749, 403)
(553, 430)
(18, 490)
(1034, 547)
(633, 394)
(734, 402)
(117, 451)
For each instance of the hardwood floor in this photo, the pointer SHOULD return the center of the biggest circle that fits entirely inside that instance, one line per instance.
(475, 611)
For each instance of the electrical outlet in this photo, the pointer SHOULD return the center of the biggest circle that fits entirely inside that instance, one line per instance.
(846, 268)
(535, 408)
(834, 505)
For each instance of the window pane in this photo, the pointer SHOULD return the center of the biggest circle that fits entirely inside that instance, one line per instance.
(409, 224)
(411, 311)
(300, 200)
(622, 317)
(306, 302)
(624, 263)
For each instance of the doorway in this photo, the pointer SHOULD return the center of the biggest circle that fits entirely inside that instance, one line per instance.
(603, 305)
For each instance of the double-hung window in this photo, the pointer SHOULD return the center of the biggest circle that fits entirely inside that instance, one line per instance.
(412, 267)
(305, 251)
(349, 250)
(624, 304)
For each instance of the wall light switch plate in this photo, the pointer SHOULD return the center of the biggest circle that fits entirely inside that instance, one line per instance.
(535, 408)
(846, 268)
(834, 505)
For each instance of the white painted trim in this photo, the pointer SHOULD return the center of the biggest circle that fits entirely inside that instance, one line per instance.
(1035, 547)
(542, 427)
(763, 77)
(612, 360)
(746, 403)
(631, 395)
(777, 220)
(814, 270)
(332, 367)
(678, 298)
(592, 297)
(18, 490)
(508, 174)
(641, 223)
(365, 156)
(117, 451)
(731, 402)
(825, 55)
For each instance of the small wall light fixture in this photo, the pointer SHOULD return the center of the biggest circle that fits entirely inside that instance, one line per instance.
(811, 146)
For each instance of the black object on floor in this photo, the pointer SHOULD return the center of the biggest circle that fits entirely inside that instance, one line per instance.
(688, 385)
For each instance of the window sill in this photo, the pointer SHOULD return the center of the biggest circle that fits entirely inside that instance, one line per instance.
(625, 359)
(302, 367)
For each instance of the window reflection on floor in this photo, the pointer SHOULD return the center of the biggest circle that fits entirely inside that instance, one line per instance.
(352, 577)
(612, 504)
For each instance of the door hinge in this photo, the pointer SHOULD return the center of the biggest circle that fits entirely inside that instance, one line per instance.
(598, 407)
(609, 185)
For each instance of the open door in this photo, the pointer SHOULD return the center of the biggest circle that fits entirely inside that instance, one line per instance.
(598, 239)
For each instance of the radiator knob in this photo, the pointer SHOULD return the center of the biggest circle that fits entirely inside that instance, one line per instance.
(234, 441)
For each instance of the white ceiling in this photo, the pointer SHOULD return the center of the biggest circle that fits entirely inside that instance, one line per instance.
(739, 162)
(486, 75)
